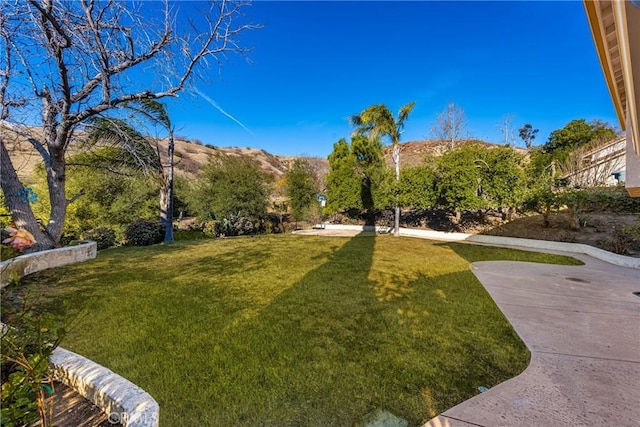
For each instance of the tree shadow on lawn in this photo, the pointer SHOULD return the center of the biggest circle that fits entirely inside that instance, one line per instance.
(338, 345)
(84, 289)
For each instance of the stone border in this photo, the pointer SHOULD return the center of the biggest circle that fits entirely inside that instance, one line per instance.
(121, 400)
(38, 261)
(578, 248)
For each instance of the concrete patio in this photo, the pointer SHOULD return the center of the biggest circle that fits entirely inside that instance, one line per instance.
(582, 326)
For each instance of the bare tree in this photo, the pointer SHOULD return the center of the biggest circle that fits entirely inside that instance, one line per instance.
(68, 62)
(451, 126)
(594, 164)
(506, 128)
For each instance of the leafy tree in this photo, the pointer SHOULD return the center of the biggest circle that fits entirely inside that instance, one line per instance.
(377, 121)
(502, 179)
(459, 178)
(358, 178)
(301, 190)
(417, 187)
(343, 184)
(528, 135)
(575, 134)
(451, 125)
(230, 187)
(65, 63)
(373, 174)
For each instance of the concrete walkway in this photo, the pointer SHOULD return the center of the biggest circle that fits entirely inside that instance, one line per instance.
(582, 326)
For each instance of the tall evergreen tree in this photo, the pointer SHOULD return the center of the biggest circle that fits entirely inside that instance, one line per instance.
(301, 190)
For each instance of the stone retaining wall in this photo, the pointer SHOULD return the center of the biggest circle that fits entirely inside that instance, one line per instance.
(121, 400)
(38, 261)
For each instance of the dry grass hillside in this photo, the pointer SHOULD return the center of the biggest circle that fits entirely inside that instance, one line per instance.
(413, 153)
(190, 157)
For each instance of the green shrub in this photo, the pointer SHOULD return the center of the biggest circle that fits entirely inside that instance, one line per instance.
(606, 199)
(211, 228)
(105, 237)
(28, 341)
(7, 252)
(143, 232)
(244, 225)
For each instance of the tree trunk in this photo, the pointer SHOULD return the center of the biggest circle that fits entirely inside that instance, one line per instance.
(545, 216)
(166, 195)
(510, 212)
(458, 216)
(396, 162)
(57, 197)
(21, 211)
(574, 224)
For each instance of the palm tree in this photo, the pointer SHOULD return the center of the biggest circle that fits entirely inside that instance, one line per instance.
(122, 133)
(377, 121)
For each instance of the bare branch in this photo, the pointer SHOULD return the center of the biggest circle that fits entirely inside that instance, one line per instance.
(46, 14)
(25, 132)
(75, 197)
(451, 125)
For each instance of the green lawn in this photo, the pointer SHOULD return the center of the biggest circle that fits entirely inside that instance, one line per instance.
(292, 330)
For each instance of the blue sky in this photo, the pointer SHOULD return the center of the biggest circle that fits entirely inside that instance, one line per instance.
(314, 64)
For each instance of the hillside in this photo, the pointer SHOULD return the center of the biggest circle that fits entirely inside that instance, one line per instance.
(413, 153)
(191, 156)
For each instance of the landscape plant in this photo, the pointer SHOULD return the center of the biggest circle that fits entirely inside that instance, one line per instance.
(104, 237)
(503, 181)
(417, 187)
(343, 185)
(143, 149)
(28, 340)
(110, 188)
(230, 187)
(144, 232)
(458, 181)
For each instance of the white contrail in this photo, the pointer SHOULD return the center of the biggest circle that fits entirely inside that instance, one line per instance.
(217, 107)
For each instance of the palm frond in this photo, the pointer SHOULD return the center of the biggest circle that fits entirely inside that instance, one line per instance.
(404, 113)
(152, 110)
(111, 131)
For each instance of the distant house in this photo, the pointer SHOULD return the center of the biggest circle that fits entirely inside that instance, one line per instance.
(604, 165)
(615, 26)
